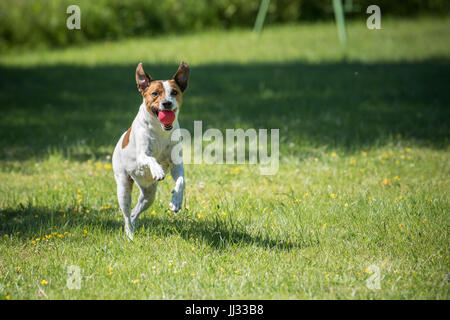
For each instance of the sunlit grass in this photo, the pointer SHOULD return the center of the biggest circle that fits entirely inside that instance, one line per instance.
(314, 42)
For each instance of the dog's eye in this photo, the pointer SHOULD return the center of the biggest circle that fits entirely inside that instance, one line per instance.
(174, 92)
(155, 94)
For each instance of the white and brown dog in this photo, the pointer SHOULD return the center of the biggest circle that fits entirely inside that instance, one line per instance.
(143, 153)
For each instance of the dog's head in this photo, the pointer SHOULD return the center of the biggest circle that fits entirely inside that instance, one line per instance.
(163, 98)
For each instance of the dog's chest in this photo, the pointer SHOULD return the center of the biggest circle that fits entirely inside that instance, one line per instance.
(162, 150)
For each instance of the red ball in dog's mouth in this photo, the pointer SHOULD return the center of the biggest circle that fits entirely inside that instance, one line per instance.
(166, 117)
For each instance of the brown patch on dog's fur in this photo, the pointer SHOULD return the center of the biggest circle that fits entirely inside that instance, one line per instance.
(126, 139)
(179, 96)
(150, 100)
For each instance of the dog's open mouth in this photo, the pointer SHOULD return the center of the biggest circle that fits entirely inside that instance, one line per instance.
(166, 117)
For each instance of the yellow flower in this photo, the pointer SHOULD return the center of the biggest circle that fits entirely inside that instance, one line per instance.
(385, 181)
(334, 155)
(7, 297)
(400, 225)
(136, 281)
(346, 204)
(44, 282)
(153, 213)
(408, 150)
(18, 268)
(107, 166)
(333, 195)
(364, 154)
(306, 195)
(223, 213)
(396, 178)
(169, 264)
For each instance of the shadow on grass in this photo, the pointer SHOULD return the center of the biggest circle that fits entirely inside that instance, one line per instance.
(81, 111)
(29, 223)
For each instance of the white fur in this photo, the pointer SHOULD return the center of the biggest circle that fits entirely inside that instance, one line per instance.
(146, 159)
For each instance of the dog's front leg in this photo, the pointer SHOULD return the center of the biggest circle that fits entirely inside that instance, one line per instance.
(177, 173)
(155, 168)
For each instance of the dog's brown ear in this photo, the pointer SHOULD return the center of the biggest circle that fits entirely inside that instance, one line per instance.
(181, 77)
(142, 78)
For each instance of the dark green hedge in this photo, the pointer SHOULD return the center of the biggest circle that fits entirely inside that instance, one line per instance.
(33, 23)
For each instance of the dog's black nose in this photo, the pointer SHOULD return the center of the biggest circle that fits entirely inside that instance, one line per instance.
(167, 104)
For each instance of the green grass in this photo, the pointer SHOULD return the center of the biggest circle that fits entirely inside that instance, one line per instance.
(363, 178)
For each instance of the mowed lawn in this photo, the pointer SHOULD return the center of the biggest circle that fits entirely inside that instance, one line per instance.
(359, 208)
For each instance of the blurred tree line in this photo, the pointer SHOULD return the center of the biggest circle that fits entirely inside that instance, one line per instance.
(33, 23)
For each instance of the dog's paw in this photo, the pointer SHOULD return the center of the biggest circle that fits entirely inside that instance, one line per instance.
(129, 232)
(157, 172)
(177, 201)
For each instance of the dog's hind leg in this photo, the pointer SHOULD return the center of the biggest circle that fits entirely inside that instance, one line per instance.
(124, 188)
(146, 198)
